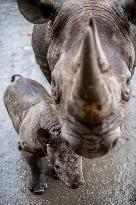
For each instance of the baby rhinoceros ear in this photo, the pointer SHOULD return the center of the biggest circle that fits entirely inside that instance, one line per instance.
(43, 137)
(38, 11)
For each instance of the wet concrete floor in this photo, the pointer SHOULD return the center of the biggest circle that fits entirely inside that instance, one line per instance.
(110, 180)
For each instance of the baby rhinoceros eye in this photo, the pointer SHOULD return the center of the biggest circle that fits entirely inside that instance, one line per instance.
(57, 167)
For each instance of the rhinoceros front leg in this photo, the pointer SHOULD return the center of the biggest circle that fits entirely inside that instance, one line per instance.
(38, 183)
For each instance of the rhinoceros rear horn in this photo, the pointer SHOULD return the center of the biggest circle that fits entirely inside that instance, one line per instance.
(101, 58)
(90, 96)
(38, 11)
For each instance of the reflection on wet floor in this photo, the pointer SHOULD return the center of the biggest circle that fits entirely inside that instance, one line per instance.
(110, 180)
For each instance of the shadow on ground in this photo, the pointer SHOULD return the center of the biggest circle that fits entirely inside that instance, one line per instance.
(110, 180)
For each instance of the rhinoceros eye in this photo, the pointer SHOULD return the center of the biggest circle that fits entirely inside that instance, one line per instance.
(57, 167)
(37, 2)
(128, 81)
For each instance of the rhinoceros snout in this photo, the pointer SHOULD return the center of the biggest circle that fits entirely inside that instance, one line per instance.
(76, 185)
(90, 145)
(77, 182)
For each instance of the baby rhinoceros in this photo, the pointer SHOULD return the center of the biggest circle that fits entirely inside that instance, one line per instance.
(34, 117)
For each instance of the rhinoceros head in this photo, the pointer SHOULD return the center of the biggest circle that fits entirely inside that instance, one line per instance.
(66, 163)
(91, 96)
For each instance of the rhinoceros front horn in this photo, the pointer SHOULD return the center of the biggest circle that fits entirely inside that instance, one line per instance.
(92, 123)
(91, 98)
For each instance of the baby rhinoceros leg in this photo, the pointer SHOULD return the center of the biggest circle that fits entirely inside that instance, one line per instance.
(38, 183)
(30, 109)
(35, 119)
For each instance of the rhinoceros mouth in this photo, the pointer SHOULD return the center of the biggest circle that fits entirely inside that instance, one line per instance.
(91, 142)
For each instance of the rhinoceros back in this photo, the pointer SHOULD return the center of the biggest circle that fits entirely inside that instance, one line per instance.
(20, 96)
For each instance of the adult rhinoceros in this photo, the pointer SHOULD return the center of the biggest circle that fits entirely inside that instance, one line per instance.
(85, 51)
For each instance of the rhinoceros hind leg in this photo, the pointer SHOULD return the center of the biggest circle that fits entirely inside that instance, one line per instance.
(38, 184)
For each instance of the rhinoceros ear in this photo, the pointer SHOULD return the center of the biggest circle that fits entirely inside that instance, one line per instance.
(43, 137)
(129, 6)
(38, 11)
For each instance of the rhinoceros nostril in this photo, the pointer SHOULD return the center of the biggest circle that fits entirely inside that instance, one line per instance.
(76, 184)
(57, 167)
(79, 180)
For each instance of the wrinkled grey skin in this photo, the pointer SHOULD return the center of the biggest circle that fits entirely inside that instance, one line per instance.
(85, 51)
(33, 115)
